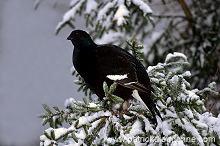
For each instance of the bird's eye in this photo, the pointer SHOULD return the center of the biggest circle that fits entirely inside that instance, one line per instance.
(77, 33)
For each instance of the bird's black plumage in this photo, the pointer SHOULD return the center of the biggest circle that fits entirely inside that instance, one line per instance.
(109, 63)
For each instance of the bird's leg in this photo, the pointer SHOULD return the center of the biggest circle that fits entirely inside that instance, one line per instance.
(124, 108)
(125, 105)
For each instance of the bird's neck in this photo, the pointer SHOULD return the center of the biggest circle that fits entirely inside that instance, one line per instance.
(85, 45)
(83, 51)
(90, 45)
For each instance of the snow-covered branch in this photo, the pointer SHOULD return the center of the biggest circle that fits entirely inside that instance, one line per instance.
(185, 120)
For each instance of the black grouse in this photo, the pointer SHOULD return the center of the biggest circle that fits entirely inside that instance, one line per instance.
(109, 63)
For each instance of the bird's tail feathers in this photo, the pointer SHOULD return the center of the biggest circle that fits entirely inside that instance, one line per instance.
(148, 101)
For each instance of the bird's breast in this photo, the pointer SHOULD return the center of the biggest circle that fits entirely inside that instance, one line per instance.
(86, 65)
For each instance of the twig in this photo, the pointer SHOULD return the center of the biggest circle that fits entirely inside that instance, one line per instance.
(169, 16)
(188, 15)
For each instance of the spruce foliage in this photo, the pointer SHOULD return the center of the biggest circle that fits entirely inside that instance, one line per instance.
(185, 120)
(189, 27)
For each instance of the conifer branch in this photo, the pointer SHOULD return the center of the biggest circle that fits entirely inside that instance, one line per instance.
(96, 122)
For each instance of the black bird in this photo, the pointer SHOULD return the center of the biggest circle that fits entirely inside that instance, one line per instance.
(109, 63)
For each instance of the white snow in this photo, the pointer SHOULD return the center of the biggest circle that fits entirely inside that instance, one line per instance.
(183, 97)
(49, 130)
(212, 85)
(155, 80)
(177, 143)
(104, 10)
(158, 74)
(143, 6)
(86, 119)
(211, 122)
(117, 106)
(110, 140)
(166, 128)
(107, 113)
(81, 134)
(150, 68)
(193, 96)
(199, 125)
(154, 69)
(175, 54)
(190, 128)
(47, 141)
(148, 126)
(189, 113)
(168, 100)
(59, 132)
(209, 119)
(83, 120)
(175, 79)
(92, 105)
(169, 113)
(160, 104)
(135, 129)
(69, 102)
(127, 117)
(120, 14)
(90, 5)
(187, 74)
(70, 14)
(163, 83)
(117, 77)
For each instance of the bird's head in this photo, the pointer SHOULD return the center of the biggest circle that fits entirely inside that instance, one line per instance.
(80, 39)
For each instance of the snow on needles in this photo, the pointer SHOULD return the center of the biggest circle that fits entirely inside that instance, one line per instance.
(120, 14)
(70, 14)
(91, 5)
(101, 11)
(143, 6)
(175, 55)
(181, 108)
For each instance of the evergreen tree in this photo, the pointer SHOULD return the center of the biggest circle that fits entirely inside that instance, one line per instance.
(191, 28)
(185, 120)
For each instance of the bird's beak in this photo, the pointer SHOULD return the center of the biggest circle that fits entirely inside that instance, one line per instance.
(69, 38)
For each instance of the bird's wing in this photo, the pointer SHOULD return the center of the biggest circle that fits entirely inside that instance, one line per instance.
(118, 66)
